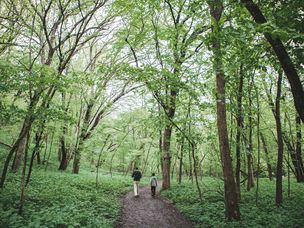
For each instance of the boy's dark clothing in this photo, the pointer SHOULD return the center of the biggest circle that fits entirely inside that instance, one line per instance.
(136, 178)
(153, 189)
(136, 175)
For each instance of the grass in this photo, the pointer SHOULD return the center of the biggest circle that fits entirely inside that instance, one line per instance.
(210, 212)
(60, 199)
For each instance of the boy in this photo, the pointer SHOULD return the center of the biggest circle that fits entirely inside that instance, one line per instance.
(153, 183)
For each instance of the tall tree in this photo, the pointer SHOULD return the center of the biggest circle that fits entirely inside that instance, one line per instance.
(231, 200)
(283, 57)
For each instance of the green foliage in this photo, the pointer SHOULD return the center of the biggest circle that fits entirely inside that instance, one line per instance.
(210, 213)
(56, 199)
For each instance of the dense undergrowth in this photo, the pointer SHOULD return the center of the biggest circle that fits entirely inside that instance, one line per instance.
(210, 212)
(59, 199)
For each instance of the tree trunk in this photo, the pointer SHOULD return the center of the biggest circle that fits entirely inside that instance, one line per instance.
(285, 61)
(30, 167)
(195, 166)
(170, 112)
(83, 136)
(279, 172)
(77, 156)
(37, 148)
(294, 149)
(181, 161)
(20, 141)
(50, 151)
(239, 130)
(63, 149)
(19, 152)
(231, 200)
(269, 168)
(64, 154)
(299, 167)
(166, 156)
(250, 179)
(45, 149)
(23, 184)
(259, 148)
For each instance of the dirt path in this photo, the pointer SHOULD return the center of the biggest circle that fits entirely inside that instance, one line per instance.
(146, 211)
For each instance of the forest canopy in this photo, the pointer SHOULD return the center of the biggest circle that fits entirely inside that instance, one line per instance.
(186, 89)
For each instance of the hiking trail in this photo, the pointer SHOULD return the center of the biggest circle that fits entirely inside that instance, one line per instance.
(147, 211)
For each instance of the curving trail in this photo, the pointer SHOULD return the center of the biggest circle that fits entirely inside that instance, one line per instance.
(146, 212)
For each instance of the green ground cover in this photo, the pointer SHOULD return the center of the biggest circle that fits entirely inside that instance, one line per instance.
(61, 199)
(210, 212)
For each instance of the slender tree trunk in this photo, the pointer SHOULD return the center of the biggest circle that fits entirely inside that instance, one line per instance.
(23, 185)
(19, 152)
(190, 163)
(195, 165)
(22, 137)
(37, 148)
(299, 161)
(63, 148)
(64, 154)
(282, 55)
(77, 156)
(269, 168)
(296, 159)
(181, 161)
(30, 167)
(259, 147)
(82, 138)
(166, 156)
(50, 151)
(160, 152)
(231, 200)
(250, 179)
(45, 149)
(279, 172)
(239, 130)
(288, 174)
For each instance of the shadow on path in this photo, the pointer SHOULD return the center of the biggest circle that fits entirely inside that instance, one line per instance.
(147, 211)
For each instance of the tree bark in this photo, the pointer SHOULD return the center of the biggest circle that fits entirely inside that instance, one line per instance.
(299, 167)
(259, 148)
(279, 172)
(239, 130)
(181, 161)
(231, 201)
(64, 154)
(282, 55)
(20, 141)
(167, 137)
(269, 168)
(250, 179)
(166, 156)
(23, 184)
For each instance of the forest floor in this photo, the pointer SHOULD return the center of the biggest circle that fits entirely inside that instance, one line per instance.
(148, 211)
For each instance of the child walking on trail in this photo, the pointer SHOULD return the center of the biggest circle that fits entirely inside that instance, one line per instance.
(153, 183)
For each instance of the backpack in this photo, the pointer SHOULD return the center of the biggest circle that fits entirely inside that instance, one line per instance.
(153, 181)
(136, 175)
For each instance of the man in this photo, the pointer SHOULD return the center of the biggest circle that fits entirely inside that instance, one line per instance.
(136, 178)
